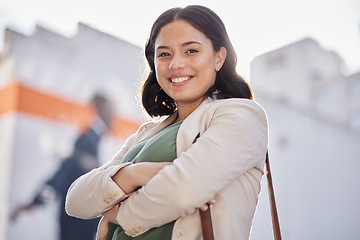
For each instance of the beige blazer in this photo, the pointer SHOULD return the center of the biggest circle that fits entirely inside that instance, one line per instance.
(226, 163)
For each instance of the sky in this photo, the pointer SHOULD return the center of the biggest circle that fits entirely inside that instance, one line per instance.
(254, 26)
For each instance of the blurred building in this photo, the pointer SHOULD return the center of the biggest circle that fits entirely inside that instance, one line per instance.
(314, 122)
(46, 82)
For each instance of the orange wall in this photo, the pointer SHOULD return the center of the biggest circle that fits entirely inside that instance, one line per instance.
(19, 98)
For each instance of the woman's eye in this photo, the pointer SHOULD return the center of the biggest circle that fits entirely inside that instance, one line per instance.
(164, 54)
(192, 51)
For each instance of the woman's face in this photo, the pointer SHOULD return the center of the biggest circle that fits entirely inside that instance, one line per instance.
(185, 63)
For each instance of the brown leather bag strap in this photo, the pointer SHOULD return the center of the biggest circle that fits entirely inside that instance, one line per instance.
(274, 215)
(206, 224)
(205, 217)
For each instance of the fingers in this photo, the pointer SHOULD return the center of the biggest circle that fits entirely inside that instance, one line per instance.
(207, 205)
(211, 202)
(204, 207)
(111, 214)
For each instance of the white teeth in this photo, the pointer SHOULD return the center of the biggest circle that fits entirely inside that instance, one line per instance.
(180, 79)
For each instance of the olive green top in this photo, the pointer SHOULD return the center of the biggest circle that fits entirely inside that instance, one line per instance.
(158, 148)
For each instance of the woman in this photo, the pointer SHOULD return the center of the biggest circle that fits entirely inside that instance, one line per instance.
(216, 133)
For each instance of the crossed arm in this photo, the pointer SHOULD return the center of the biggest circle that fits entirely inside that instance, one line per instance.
(135, 176)
(234, 142)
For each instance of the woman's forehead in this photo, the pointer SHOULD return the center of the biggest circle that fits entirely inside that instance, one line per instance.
(179, 32)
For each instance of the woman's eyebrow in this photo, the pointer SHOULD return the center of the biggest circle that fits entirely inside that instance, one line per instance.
(183, 44)
(190, 42)
(162, 47)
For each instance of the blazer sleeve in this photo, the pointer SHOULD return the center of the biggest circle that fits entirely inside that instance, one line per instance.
(95, 192)
(234, 142)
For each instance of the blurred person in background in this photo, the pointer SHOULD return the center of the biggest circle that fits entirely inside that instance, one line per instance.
(83, 158)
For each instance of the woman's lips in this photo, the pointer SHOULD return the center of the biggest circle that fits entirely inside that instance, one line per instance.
(179, 79)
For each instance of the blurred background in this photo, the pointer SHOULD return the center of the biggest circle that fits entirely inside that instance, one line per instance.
(301, 57)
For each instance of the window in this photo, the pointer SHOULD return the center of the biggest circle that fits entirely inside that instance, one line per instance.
(354, 122)
(275, 59)
(315, 75)
(320, 97)
(354, 89)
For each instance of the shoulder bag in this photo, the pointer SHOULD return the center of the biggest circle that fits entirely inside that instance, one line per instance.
(205, 216)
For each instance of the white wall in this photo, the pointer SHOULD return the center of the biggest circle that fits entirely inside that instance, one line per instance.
(31, 146)
(7, 127)
(39, 146)
(305, 76)
(315, 168)
(72, 68)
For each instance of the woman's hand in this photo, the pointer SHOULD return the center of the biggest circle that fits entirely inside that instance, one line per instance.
(111, 214)
(206, 205)
(137, 175)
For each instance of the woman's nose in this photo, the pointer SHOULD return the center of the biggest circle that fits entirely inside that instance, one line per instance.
(176, 62)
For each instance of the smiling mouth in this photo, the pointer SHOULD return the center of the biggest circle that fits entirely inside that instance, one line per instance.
(179, 80)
